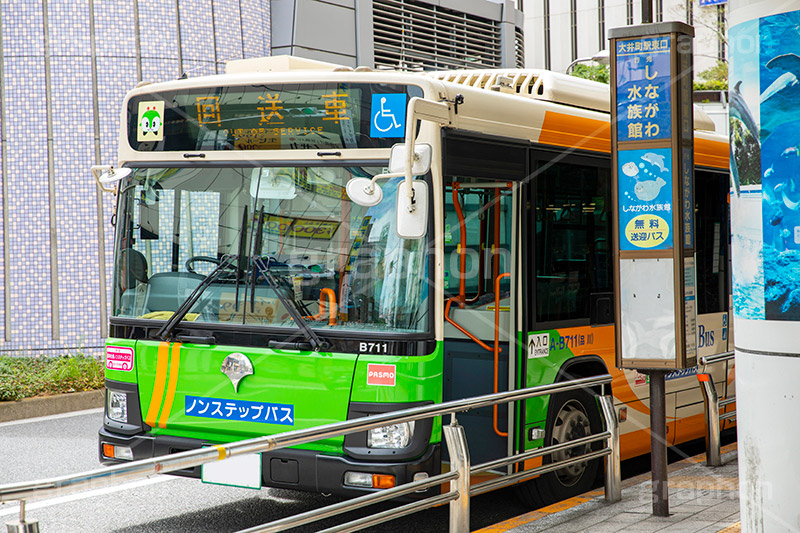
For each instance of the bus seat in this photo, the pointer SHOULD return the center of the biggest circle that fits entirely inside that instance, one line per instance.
(133, 267)
(167, 290)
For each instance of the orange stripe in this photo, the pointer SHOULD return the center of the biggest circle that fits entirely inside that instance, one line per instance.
(711, 153)
(576, 132)
(158, 385)
(174, 365)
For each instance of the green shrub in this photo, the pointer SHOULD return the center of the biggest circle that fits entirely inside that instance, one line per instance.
(25, 377)
(591, 72)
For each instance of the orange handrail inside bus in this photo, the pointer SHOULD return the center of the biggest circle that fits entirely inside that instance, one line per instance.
(459, 327)
(497, 346)
(329, 306)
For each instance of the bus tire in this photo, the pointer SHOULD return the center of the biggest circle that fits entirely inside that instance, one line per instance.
(571, 415)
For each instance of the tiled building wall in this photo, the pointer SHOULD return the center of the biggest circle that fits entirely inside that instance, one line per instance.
(56, 232)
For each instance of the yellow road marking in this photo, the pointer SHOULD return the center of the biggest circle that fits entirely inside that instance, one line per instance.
(158, 385)
(722, 483)
(704, 482)
(174, 365)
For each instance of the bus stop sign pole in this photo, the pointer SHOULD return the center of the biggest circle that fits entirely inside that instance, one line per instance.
(652, 151)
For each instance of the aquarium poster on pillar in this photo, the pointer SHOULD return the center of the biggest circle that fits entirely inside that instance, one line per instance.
(764, 92)
(746, 241)
(779, 65)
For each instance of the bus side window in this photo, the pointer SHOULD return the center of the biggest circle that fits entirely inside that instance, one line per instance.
(573, 243)
(711, 241)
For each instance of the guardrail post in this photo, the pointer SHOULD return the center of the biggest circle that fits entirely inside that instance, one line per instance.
(612, 461)
(23, 525)
(711, 401)
(459, 461)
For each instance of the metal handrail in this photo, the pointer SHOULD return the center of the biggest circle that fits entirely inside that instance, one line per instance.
(712, 404)
(716, 358)
(455, 439)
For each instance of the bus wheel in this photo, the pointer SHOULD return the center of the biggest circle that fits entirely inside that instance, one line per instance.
(572, 415)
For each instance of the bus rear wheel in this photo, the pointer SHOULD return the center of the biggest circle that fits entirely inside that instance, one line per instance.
(571, 415)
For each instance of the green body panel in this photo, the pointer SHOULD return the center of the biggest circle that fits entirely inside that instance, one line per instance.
(418, 378)
(126, 376)
(320, 386)
(543, 371)
(317, 385)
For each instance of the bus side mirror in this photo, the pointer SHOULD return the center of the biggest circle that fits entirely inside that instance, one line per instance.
(421, 160)
(106, 175)
(412, 210)
(412, 207)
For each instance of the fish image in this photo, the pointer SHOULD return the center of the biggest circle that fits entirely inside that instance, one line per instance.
(786, 189)
(648, 190)
(630, 169)
(655, 159)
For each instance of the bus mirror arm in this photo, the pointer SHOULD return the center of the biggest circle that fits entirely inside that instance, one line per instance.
(108, 175)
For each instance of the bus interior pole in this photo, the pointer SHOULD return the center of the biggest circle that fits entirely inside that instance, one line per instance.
(658, 442)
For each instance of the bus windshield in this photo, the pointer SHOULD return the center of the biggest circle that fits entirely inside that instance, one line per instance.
(287, 229)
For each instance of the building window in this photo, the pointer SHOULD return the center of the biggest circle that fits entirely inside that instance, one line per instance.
(573, 23)
(629, 6)
(721, 32)
(546, 34)
(601, 24)
(412, 35)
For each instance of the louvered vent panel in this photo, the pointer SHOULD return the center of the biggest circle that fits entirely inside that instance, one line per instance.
(411, 36)
(519, 48)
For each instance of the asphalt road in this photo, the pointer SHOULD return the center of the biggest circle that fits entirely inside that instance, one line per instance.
(67, 444)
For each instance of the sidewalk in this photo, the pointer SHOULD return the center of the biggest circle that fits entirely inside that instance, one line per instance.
(701, 499)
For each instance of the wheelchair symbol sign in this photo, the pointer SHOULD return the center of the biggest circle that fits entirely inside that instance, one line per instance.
(388, 115)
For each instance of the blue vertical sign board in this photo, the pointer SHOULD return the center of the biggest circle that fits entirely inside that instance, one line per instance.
(688, 197)
(645, 199)
(644, 112)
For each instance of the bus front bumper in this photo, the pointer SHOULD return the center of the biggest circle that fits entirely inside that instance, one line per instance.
(305, 470)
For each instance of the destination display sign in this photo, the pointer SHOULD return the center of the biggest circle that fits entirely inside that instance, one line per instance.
(270, 117)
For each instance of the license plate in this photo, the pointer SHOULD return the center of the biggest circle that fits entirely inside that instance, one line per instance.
(243, 471)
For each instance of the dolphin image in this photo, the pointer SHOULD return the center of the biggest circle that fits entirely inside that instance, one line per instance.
(778, 101)
(789, 195)
(655, 159)
(648, 190)
(740, 110)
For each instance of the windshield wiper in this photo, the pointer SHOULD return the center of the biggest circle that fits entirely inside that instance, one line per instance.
(166, 330)
(293, 309)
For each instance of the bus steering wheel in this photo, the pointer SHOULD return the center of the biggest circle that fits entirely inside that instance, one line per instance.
(198, 258)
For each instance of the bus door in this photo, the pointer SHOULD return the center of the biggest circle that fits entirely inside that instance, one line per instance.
(480, 287)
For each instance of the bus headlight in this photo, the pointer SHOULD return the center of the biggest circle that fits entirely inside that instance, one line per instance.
(394, 436)
(117, 408)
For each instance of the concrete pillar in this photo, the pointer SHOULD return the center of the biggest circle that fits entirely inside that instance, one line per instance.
(764, 75)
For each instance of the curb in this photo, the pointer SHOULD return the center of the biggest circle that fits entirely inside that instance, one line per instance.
(51, 405)
(571, 503)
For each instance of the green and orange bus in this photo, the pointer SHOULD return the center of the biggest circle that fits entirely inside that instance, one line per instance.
(252, 295)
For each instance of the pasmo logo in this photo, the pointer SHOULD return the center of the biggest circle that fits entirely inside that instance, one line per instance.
(383, 375)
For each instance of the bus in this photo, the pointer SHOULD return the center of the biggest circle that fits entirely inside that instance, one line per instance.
(299, 244)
